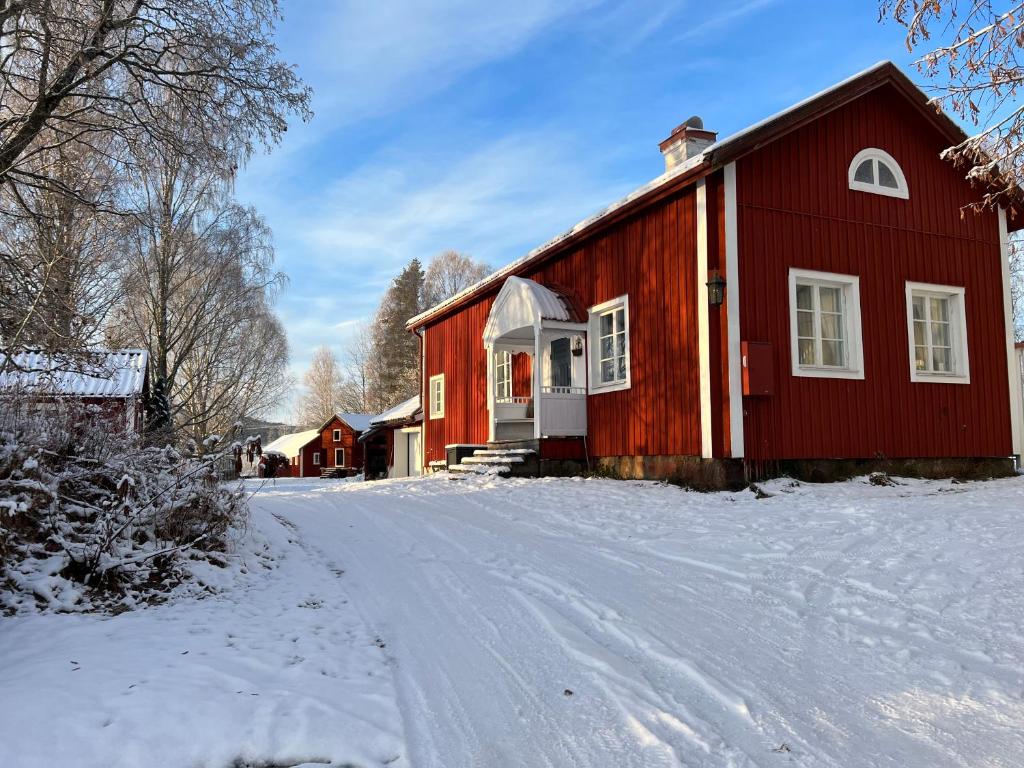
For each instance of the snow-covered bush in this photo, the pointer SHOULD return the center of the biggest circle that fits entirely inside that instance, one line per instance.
(91, 518)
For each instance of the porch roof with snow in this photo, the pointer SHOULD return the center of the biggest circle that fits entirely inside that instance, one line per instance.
(291, 445)
(105, 374)
(521, 306)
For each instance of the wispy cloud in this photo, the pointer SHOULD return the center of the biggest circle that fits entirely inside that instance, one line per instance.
(723, 17)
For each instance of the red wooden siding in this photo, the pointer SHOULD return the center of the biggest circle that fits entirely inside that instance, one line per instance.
(522, 375)
(651, 256)
(796, 210)
(353, 448)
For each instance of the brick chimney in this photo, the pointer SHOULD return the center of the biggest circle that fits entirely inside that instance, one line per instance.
(686, 141)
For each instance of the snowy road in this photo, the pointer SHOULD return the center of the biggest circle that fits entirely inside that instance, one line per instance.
(441, 623)
(841, 625)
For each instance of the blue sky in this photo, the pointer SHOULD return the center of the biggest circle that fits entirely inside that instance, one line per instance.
(489, 127)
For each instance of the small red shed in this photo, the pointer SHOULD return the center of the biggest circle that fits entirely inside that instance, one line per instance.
(810, 295)
(341, 453)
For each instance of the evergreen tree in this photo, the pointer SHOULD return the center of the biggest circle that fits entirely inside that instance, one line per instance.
(395, 350)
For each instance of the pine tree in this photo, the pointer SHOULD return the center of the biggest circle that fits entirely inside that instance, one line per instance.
(395, 350)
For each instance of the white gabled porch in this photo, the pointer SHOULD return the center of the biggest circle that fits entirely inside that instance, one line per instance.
(531, 326)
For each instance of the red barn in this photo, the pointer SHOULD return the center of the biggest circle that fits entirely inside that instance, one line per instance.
(807, 296)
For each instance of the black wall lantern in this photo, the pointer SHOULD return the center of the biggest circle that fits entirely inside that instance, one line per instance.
(716, 288)
(577, 346)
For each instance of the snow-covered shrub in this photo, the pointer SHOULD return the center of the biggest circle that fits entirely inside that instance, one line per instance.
(91, 517)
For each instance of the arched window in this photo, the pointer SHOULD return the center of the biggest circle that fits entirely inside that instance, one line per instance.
(874, 170)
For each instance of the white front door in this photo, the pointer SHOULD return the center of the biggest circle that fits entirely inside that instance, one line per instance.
(413, 444)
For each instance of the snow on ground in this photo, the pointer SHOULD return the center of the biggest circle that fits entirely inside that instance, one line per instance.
(446, 622)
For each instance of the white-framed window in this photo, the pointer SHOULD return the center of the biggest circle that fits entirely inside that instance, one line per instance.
(503, 375)
(437, 396)
(339, 457)
(316, 458)
(875, 170)
(937, 331)
(337, 435)
(608, 340)
(825, 325)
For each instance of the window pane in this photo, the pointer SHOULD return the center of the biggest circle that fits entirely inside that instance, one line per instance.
(620, 319)
(607, 371)
(620, 344)
(940, 309)
(919, 333)
(829, 299)
(918, 305)
(831, 326)
(606, 347)
(561, 363)
(832, 353)
(921, 358)
(865, 172)
(804, 300)
(940, 334)
(622, 369)
(941, 360)
(805, 324)
(886, 178)
(807, 352)
(606, 324)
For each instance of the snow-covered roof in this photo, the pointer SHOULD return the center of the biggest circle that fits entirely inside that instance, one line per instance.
(404, 411)
(713, 156)
(102, 373)
(291, 445)
(360, 422)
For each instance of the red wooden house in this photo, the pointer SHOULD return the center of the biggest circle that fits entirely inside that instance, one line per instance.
(340, 449)
(806, 296)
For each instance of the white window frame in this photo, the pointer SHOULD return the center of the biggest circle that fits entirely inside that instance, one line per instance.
(502, 375)
(594, 315)
(342, 462)
(957, 295)
(436, 391)
(850, 285)
(316, 458)
(336, 436)
(902, 191)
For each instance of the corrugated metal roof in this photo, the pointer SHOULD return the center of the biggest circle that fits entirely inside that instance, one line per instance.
(114, 373)
(401, 412)
(290, 445)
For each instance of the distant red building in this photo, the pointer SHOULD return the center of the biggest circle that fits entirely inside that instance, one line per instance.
(332, 448)
(809, 295)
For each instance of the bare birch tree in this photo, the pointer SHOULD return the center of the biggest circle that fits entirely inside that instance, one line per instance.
(72, 71)
(973, 59)
(359, 372)
(198, 285)
(448, 273)
(322, 385)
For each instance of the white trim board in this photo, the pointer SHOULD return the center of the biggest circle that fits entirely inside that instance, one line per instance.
(1016, 396)
(732, 306)
(703, 333)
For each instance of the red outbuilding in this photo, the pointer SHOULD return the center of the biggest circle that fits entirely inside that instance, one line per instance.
(331, 450)
(811, 295)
